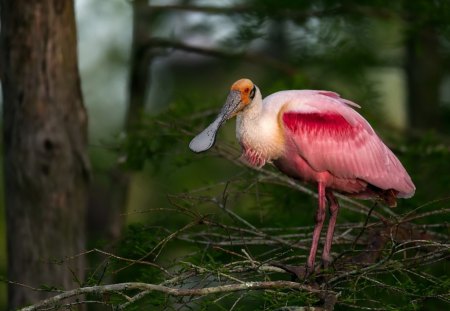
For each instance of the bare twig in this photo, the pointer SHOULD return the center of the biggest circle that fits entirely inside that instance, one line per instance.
(161, 244)
(133, 261)
(121, 287)
(364, 227)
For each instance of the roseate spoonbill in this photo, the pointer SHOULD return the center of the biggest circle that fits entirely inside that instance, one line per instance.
(314, 136)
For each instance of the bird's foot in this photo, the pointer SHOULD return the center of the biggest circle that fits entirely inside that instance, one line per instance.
(325, 264)
(298, 273)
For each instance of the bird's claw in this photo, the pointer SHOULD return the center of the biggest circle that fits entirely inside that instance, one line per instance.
(299, 273)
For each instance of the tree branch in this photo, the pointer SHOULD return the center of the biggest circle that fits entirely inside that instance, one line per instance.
(288, 13)
(121, 287)
(249, 57)
(203, 9)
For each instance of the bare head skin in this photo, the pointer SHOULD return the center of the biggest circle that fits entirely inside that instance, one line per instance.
(244, 87)
(241, 95)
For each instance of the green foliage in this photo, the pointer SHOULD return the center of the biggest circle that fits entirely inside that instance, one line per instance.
(210, 252)
(137, 243)
(206, 220)
(277, 300)
(204, 235)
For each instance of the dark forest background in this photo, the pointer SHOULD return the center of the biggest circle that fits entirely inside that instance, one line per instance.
(119, 197)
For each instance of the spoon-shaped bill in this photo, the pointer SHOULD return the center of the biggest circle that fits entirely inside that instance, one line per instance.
(205, 140)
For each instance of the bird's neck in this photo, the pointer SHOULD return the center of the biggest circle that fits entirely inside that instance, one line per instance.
(248, 120)
(254, 110)
(258, 133)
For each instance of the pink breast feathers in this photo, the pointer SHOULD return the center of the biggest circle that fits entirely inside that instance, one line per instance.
(253, 157)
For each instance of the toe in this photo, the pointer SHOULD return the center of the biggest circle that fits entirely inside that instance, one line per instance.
(299, 273)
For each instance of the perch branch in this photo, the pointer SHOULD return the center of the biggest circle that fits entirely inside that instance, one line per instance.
(120, 287)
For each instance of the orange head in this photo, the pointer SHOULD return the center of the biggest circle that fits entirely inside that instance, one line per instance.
(246, 88)
(242, 93)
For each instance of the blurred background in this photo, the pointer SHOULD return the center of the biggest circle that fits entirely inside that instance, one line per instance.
(154, 73)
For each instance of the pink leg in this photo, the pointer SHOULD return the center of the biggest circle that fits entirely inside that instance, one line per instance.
(334, 208)
(319, 219)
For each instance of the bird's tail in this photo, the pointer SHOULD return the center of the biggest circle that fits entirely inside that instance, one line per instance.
(389, 197)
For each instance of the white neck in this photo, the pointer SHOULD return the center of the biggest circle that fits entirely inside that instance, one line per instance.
(258, 129)
(248, 119)
(253, 111)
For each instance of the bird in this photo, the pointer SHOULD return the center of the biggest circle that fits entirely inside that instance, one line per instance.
(317, 137)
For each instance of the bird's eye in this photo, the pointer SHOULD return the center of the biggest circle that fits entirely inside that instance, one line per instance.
(252, 92)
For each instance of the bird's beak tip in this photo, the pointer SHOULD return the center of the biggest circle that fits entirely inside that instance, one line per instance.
(206, 139)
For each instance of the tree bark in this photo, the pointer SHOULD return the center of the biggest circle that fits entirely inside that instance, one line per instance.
(45, 139)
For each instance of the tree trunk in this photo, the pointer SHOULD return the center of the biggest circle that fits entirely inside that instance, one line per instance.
(424, 73)
(45, 139)
(111, 199)
(139, 64)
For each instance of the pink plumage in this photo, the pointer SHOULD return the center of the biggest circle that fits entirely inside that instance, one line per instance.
(315, 136)
(349, 157)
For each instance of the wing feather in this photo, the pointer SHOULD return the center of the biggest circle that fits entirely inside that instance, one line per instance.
(333, 137)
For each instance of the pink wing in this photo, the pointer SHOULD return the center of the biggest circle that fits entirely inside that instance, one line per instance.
(335, 138)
